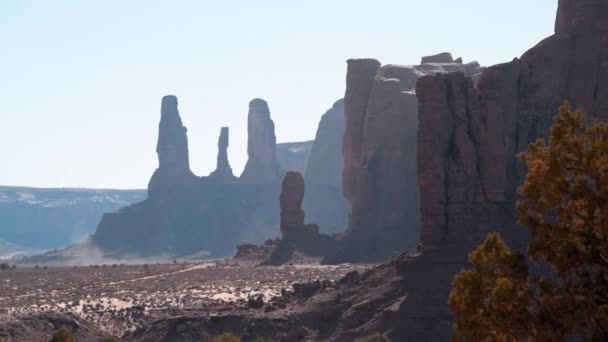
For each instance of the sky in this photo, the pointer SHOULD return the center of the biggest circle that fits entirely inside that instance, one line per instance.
(81, 81)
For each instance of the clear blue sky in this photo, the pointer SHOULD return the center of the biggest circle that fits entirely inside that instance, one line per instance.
(81, 81)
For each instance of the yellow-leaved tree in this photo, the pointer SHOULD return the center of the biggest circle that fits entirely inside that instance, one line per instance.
(564, 203)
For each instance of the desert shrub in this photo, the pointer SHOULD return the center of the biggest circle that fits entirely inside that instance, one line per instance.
(373, 338)
(109, 339)
(263, 339)
(226, 337)
(63, 335)
(4, 266)
(564, 204)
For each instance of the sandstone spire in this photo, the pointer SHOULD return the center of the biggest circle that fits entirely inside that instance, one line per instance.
(223, 170)
(262, 166)
(173, 170)
(292, 194)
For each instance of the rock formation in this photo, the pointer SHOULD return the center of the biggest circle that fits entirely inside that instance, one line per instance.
(292, 194)
(262, 166)
(185, 214)
(468, 138)
(173, 172)
(467, 172)
(324, 203)
(293, 156)
(379, 151)
(467, 141)
(296, 235)
(223, 171)
(444, 57)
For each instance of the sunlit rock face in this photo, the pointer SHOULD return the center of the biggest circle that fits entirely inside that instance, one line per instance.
(380, 154)
(469, 136)
(467, 141)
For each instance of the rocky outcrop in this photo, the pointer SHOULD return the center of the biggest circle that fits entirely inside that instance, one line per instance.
(467, 141)
(189, 215)
(293, 156)
(223, 171)
(379, 151)
(444, 57)
(173, 172)
(296, 236)
(262, 166)
(324, 203)
(469, 137)
(292, 194)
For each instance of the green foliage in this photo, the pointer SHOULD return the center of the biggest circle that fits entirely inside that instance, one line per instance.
(374, 338)
(565, 206)
(63, 335)
(226, 337)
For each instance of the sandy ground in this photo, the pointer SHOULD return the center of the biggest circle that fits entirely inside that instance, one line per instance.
(119, 297)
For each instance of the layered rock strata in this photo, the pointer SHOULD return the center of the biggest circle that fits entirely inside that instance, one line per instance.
(379, 153)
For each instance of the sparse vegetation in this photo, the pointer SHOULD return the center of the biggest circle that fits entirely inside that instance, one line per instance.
(565, 205)
(263, 339)
(226, 337)
(63, 335)
(4, 266)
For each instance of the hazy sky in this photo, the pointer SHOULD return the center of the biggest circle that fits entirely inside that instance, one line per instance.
(81, 81)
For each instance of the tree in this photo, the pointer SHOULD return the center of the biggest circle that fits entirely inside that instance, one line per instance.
(226, 337)
(63, 335)
(564, 204)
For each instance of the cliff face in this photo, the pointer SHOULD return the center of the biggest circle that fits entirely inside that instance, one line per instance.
(324, 203)
(379, 153)
(467, 142)
(262, 166)
(469, 137)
